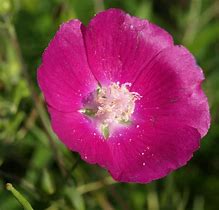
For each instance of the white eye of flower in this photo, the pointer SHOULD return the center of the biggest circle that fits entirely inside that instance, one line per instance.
(115, 105)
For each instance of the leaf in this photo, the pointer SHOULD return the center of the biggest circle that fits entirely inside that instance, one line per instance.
(75, 198)
(47, 182)
(21, 199)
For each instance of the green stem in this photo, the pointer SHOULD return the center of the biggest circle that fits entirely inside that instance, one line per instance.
(20, 198)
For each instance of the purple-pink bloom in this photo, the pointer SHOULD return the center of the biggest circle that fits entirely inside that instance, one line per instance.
(125, 97)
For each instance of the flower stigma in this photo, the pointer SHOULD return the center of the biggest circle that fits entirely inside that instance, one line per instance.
(111, 107)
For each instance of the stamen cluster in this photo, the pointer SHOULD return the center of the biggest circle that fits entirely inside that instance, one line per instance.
(116, 103)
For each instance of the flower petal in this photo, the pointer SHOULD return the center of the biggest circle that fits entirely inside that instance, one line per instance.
(120, 46)
(150, 151)
(78, 134)
(171, 89)
(64, 76)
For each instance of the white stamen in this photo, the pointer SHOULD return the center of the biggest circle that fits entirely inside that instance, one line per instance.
(111, 106)
(116, 103)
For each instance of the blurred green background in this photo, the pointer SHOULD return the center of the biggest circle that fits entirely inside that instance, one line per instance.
(40, 167)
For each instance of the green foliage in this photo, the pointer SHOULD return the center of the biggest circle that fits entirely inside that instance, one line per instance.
(20, 198)
(31, 157)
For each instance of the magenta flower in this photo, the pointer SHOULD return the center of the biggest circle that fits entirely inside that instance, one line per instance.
(121, 94)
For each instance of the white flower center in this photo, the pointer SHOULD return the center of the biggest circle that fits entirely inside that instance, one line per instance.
(114, 105)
